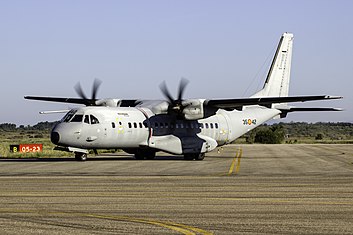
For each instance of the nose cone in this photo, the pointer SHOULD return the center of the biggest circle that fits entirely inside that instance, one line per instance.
(55, 137)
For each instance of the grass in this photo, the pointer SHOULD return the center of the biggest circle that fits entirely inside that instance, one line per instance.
(28, 137)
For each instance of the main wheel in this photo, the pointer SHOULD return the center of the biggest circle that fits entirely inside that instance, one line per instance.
(145, 154)
(189, 157)
(80, 156)
(199, 157)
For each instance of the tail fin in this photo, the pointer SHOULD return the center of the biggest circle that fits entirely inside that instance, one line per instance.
(277, 81)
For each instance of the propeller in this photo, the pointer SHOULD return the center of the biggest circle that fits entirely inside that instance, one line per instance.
(95, 87)
(175, 105)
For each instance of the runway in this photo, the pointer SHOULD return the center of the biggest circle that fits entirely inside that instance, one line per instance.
(249, 189)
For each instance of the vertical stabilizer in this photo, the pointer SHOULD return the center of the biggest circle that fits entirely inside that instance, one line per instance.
(277, 81)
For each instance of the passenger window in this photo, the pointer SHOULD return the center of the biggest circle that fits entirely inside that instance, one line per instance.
(206, 125)
(86, 119)
(156, 125)
(140, 124)
(94, 120)
(113, 124)
(161, 125)
(77, 118)
(129, 124)
(211, 125)
(166, 125)
(216, 125)
(135, 125)
(201, 125)
(145, 124)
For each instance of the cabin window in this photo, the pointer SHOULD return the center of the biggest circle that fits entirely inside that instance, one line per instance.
(120, 124)
(166, 125)
(145, 124)
(129, 124)
(94, 120)
(113, 124)
(77, 118)
(211, 125)
(177, 126)
(201, 125)
(135, 125)
(156, 125)
(216, 125)
(206, 125)
(140, 125)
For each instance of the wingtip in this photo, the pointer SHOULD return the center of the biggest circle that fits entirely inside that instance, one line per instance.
(333, 97)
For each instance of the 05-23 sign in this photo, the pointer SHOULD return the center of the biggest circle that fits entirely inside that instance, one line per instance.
(26, 148)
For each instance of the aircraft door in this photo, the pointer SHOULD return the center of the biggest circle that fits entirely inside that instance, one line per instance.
(223, 129)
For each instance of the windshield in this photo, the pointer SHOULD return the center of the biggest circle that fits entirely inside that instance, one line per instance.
(77, 118)
(69, 115)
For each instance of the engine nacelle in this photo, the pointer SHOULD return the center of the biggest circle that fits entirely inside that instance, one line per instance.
(195, 109)
(109, 102)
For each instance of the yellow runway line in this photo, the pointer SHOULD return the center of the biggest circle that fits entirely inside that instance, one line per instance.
(237, 157)
(180, 228)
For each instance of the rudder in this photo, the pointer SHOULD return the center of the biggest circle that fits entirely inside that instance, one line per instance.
(278, 77)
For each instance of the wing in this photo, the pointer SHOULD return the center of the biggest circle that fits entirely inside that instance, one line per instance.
(263, 101)
(88, 102)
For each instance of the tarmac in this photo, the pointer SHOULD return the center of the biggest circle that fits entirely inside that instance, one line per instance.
(239, 189)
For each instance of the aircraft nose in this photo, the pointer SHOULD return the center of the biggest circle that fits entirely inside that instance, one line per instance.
(55, 137)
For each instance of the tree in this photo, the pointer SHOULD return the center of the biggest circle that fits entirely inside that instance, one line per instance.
(272, 135)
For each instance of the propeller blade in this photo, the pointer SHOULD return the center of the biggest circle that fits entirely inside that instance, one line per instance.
(79, 91)
(182, 85)
(95, 88)
(166, 93)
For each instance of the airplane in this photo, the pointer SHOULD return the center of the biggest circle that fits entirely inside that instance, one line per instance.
(188, 127)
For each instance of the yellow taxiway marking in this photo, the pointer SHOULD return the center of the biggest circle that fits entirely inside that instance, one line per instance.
(236, 162)
(181, 228)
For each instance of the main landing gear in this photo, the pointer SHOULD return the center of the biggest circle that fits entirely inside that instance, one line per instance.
(192, 156)
(142, 155)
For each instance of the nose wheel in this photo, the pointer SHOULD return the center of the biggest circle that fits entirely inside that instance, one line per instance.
(80, 156)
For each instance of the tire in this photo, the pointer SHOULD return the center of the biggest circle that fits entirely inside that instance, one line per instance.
(199, 157)
(81, 156)
(145, 154)
(139, 156)
(189, 157)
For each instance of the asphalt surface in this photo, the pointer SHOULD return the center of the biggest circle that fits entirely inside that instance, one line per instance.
(249, 189)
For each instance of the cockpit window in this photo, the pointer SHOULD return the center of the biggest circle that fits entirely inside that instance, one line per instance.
(86, 119)
(68, 116)
(77, 118)
(94, 120)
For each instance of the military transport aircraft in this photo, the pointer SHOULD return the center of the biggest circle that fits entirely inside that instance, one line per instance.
(189, 127)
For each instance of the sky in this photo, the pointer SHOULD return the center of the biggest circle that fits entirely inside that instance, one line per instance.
(224, 48)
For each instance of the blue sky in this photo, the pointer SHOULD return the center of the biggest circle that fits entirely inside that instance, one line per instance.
(46, 47)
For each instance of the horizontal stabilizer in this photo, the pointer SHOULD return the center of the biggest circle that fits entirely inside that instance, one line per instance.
(312, 109)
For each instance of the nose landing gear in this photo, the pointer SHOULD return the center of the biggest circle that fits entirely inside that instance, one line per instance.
(80, 156)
